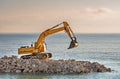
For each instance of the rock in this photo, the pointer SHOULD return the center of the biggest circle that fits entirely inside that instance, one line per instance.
(18, 71)
(7, 70)
(14, 64)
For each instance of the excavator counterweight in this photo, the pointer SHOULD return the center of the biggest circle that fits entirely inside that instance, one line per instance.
(38, 50)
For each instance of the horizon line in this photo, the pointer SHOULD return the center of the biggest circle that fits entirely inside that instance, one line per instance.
(60, 33)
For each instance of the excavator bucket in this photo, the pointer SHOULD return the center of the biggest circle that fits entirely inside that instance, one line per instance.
(73, 44)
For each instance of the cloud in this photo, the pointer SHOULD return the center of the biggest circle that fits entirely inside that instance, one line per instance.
(98, 10)
(94, 13)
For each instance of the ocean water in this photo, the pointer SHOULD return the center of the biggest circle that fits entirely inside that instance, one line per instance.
(102, 48)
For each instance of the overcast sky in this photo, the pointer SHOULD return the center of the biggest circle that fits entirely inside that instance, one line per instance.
(84, 16)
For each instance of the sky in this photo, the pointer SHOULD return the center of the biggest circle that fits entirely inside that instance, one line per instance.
(83, 16)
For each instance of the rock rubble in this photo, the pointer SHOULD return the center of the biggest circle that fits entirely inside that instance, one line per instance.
(18, 65)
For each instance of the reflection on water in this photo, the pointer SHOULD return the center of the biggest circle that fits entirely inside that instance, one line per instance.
(105, 75)
(23, 76)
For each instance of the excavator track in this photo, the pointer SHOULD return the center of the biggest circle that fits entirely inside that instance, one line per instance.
(37, 56)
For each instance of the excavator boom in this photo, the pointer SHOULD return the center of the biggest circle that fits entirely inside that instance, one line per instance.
(39, 46)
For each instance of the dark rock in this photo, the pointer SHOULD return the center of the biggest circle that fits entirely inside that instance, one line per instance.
(14, 64)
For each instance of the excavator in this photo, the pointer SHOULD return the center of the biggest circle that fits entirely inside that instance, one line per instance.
(38, 50)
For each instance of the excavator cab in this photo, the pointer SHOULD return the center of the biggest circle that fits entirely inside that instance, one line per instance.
(73, 43)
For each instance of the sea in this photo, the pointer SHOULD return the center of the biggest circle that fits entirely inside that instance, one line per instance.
(101, 48)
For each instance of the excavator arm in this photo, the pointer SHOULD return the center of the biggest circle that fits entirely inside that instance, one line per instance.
(56, 29)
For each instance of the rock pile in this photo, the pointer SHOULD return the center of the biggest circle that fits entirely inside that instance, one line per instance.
(14, 64)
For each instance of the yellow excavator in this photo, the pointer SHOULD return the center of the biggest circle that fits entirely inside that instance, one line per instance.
(38, 50)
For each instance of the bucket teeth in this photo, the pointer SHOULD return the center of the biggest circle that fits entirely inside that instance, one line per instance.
(73, 44)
